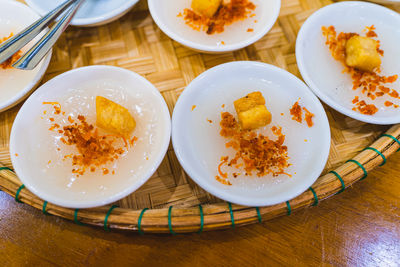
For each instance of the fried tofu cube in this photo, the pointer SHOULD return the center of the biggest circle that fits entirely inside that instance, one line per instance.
(252, 112)
(114, 117)
(206, 7)
(254, 118)
(249, 101)
(362, 54)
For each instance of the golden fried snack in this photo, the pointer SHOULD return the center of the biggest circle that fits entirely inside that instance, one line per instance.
(206, 7)
(114, 117)
(362, 54)
(252, 112)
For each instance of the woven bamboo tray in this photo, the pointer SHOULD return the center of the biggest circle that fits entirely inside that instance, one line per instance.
(175, 203)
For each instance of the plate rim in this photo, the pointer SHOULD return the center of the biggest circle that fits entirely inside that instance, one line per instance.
(307, 78)
(212, 48)
(165, 141)
(91, 21)
(212, 189)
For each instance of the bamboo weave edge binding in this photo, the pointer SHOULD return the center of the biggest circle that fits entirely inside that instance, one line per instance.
(211, 216)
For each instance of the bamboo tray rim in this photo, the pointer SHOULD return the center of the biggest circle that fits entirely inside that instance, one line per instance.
(213, 216)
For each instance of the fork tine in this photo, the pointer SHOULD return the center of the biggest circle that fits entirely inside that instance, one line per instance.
(14, 44)
(32, 58)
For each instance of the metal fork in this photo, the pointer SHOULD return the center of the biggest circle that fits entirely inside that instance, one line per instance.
(32, 58)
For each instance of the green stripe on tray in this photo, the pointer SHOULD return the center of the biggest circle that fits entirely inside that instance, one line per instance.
(170, 222)
(316, 201)
(361, 166)
(17, 193)
(6, 168)
(289, 208)
(44, 208)
(231, 212)
(394, 138)
(201, 219)
(140, 221)
(341, 181)
(379, 153)
(76, 217)
(108, 215)
(259, 214)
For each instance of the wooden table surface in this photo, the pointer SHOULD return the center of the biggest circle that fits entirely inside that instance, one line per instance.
(359, 227)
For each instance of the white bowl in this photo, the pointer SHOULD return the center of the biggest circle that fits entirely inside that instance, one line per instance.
(323, 73)
(16, 84)
(235, 36)
(76, 91)
(91, 13)
(199, 146)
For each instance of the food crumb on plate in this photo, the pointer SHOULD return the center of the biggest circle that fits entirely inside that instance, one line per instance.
(308, 117)
(297, 113)
(222, 180)
(364, 108)
(388, 103)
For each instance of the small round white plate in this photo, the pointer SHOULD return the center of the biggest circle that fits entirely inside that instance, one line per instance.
(323, 73)
(16, 84)
(41, 166)
(91, 13)
(234, 37)
(199, 146)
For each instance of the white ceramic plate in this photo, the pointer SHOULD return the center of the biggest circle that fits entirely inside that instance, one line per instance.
(323, 74)
(16, 84)
(91, 13)
(76, 91)
(235, 36)
(199, 146)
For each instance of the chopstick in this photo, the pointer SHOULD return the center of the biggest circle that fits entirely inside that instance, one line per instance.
(33, 57)
(15, 43)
